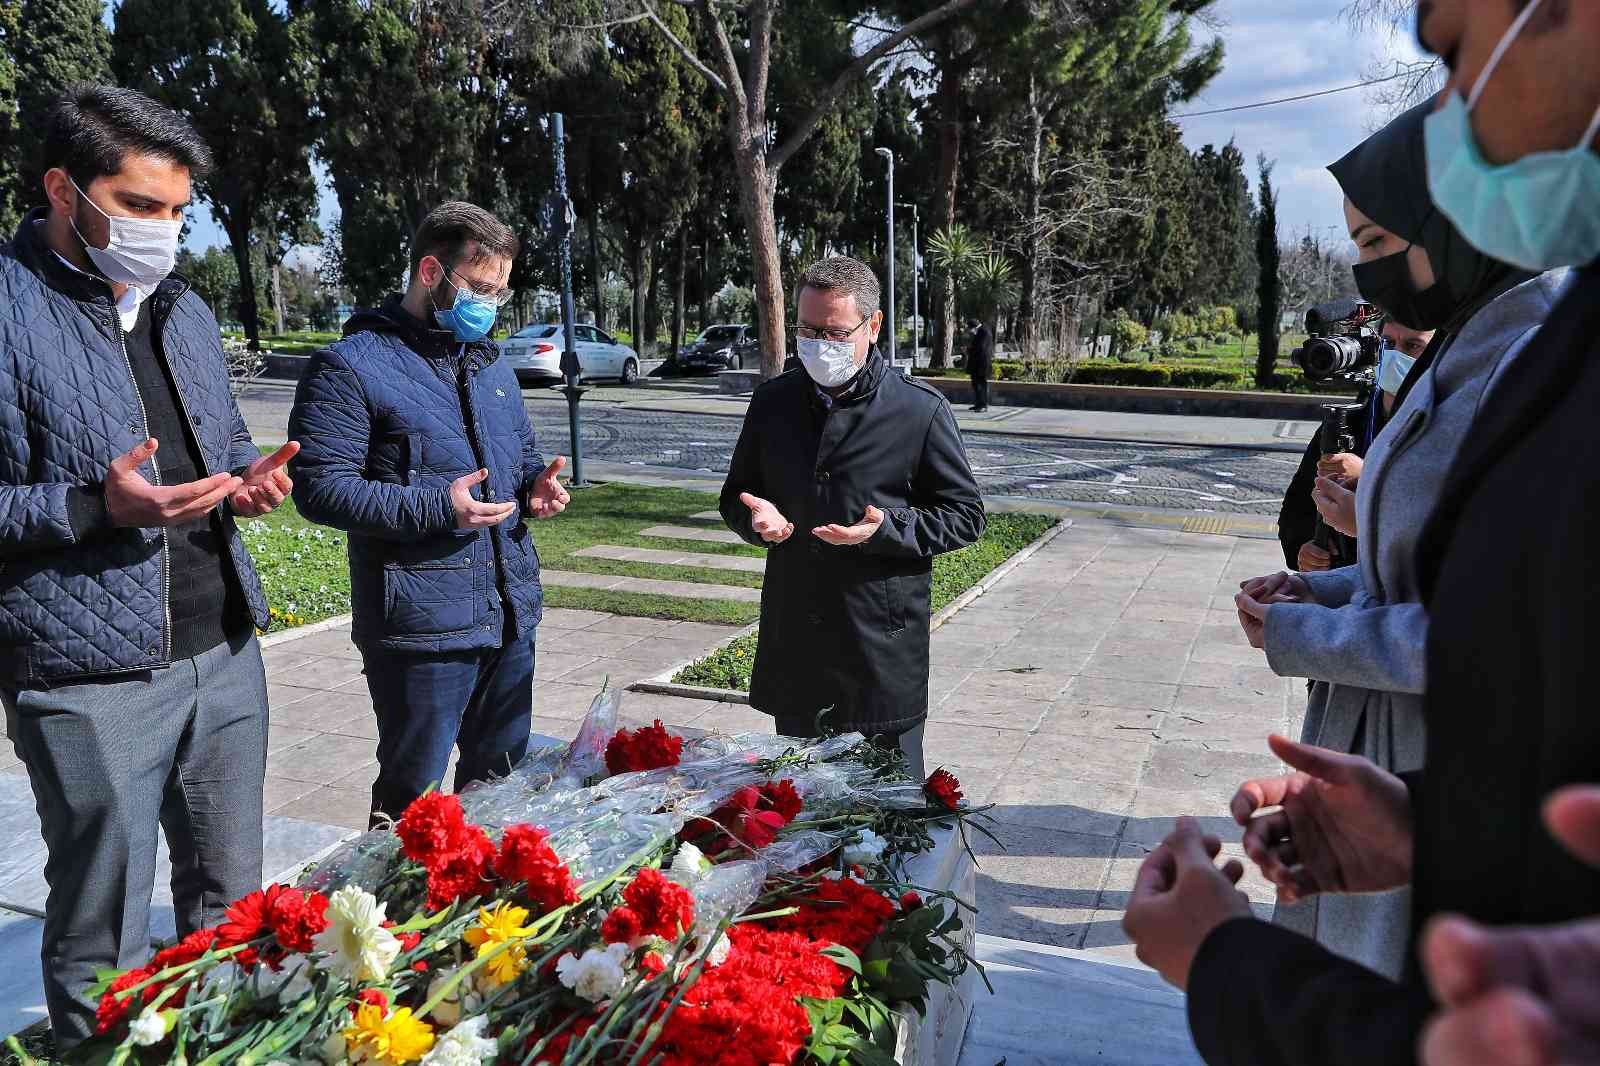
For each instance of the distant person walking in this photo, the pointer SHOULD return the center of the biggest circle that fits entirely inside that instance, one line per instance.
(980, 362)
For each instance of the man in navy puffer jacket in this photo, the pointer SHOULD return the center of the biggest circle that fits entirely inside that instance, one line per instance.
(129, 669)
(415, 442)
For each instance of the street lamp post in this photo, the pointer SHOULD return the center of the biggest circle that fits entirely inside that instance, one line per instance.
(888, 157)
(916, 281)
(560, 211)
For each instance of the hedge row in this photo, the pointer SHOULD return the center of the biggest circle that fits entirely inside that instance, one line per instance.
(1156, 375)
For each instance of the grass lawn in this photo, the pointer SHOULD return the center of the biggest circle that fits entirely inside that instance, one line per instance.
(953, 574)
(304, 570)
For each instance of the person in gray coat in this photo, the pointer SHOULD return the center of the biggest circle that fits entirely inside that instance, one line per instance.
(1360, 631)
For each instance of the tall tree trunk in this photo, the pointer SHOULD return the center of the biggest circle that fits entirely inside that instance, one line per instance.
(677, 290)
(277, 298)
(1027, 309)
(947, 100)
(652, 300)
(705, 273)
(239, 243)
(757, 186)
(641, 286)
(594, 270)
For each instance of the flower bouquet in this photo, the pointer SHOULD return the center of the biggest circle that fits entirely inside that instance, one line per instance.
(636, 897)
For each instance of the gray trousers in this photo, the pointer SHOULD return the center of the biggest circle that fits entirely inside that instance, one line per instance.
(108, 759)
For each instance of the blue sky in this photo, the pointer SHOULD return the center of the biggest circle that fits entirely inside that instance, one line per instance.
(1279, 48)
(1275, 48)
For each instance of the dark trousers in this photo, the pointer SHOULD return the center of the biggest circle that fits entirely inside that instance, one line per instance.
(909, 741)
(185, 746)
(980, 391)
(428, 702)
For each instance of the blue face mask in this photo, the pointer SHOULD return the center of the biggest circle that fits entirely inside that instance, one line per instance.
(1538, 213)
(1393, 366)
(470, 317)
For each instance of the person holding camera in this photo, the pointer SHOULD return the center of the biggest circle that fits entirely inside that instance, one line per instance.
(1361, 630)
(1324, 485)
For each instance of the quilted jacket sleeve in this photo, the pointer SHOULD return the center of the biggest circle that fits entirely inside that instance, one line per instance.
(34, 518)
(333, 424)
(242, 450)
(947, 509)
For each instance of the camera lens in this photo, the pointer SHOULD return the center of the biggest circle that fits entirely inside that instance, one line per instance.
(1323, 357)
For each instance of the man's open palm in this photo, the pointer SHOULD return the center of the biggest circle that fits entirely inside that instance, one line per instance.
(266, 483)
(1344, 826)
(766, 521)
(133, 502)
(860, 533)
(547, 498)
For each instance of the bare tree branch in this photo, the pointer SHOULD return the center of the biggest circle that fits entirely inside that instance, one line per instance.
(760, 61)
(684, 50)
(731, 84)
(848, 76)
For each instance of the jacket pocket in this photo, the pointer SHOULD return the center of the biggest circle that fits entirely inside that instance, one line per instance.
(430, 598)
(894, 604)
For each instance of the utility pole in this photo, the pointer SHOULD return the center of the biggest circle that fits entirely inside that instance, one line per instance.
(916, 281)
(560, 211)
(888, 157)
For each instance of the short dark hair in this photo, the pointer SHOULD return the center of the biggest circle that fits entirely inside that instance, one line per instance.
(91, 130)
(841, 273)
(450, 227)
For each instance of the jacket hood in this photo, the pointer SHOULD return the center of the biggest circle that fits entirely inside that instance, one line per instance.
(422, 338)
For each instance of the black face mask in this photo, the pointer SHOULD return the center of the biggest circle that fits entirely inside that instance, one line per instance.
(1387, 283)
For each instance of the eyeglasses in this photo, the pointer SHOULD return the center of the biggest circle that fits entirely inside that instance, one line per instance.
(499, 297)
(813, 333)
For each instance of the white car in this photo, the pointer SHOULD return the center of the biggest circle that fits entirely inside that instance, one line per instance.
(534, 352)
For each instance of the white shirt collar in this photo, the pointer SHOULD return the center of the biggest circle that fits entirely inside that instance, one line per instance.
(127, 304)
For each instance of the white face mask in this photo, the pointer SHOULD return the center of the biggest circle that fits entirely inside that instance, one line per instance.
(141, 251)
(830, 363)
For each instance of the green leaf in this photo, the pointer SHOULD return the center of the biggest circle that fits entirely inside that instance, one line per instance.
(844, 957)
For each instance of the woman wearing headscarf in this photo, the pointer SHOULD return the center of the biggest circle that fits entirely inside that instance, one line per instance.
(1360, 631)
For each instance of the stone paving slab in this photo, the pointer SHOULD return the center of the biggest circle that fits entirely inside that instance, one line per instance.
(683, 590)
(659, 557)
(21, 990)
(709, 536)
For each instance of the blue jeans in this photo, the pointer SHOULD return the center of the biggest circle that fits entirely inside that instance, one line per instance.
(428, 702)
(109, 758)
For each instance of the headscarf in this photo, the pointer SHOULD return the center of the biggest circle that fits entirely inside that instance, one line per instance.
(1386, 177)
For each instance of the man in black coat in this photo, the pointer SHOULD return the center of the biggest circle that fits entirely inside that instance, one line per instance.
(853, 478)
(980, 363)
(1509, 583)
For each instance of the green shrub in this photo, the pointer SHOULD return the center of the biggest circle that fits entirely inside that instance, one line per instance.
(1225, 338)
(1205, 377)
(1152, 375)
(1177, 326)
(1219, 320)
(1007, 370)
(1192, 344)
(1138, 355)
(1126, 334)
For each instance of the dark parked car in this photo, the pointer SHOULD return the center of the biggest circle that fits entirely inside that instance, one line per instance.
(721, 348)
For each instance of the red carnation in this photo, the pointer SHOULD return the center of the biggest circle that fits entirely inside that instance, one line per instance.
(113, 1011)
(664, 908)
(910, 901)
(431, 825)
(784, 799)
(186, 950)
(842, 911)
(652, 965)
(622, 926)
(409, 941)
(526, 856)
(648, 748)
(371, 997)
(297, 917)
(943, 789)
(462, 872)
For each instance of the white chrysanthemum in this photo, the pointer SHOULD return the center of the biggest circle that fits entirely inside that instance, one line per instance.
(689, 865)
(358, 947)
(148, 1029)
(595, 976)
(464, 1045)
(867, 851)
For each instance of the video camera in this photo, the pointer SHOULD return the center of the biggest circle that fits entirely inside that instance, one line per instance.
(1344, 342)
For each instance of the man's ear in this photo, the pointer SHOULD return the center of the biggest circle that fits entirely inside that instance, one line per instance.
(875, 325)
(429, 271)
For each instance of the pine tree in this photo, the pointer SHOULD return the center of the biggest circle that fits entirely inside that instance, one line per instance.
(1269, 287)
(11, 192)
(58, 44)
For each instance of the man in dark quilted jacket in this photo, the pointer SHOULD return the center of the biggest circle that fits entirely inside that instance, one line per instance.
(416, 444)
(129, 669)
